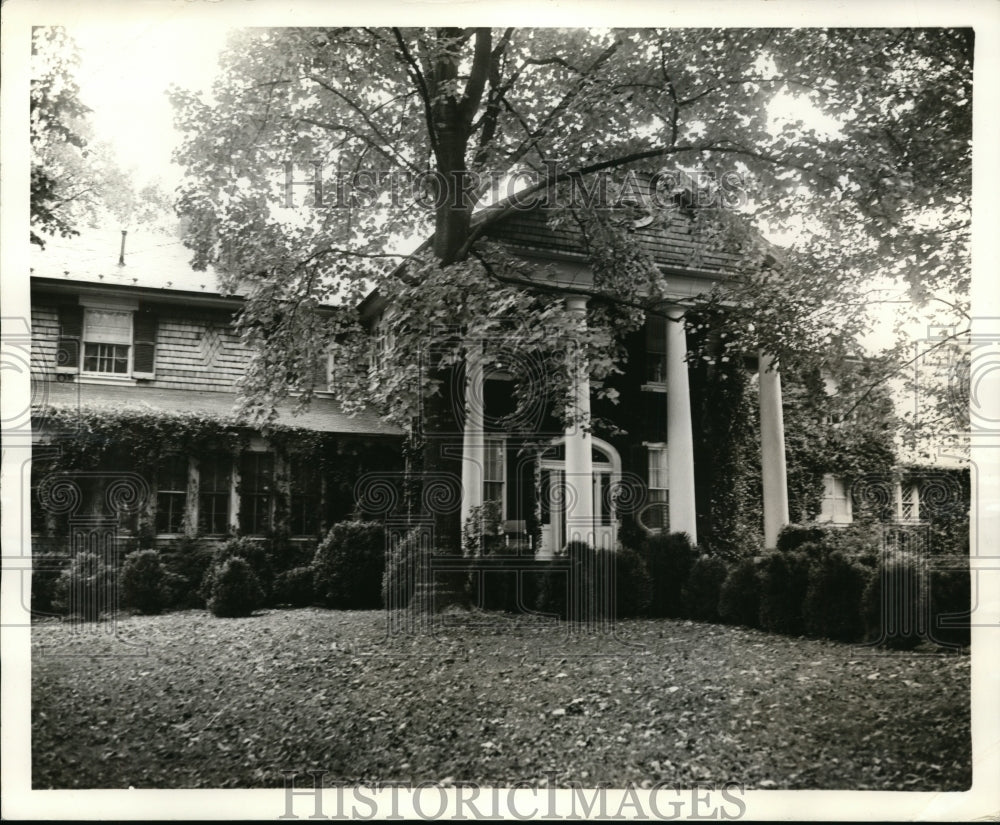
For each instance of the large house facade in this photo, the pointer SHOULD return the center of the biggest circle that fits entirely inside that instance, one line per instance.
(125, 325)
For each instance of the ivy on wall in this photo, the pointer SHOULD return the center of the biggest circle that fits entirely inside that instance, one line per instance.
(845, 428)
(97, 438)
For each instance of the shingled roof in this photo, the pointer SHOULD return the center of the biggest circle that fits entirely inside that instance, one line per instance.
(670, 241)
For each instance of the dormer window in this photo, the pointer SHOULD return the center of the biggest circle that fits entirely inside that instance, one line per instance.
(108, 338)
(107, 341)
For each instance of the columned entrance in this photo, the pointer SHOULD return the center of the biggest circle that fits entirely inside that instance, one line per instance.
(558, 491)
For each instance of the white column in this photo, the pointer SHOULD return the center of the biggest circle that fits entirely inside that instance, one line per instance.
(680, 442)
(772, 451)
(473, 439)
(579, 459)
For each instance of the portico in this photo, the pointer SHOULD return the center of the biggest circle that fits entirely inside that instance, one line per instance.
(575, 484)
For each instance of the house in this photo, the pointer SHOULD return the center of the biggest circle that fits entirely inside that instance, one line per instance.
(123, 324)
(123, 327)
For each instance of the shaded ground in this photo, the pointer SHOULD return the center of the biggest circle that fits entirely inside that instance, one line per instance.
(187, 700)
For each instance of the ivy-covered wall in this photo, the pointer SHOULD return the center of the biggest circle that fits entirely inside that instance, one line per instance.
(91, 445)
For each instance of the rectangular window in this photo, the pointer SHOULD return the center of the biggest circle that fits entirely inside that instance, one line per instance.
(656, 349)
(909, 506)
(493, 470)
(658, 513)
(304, 499)
(215, 476)
(105, 358)
(256, 490)
(603, 501)
(835, 506)
(107, 341)
(171, 494)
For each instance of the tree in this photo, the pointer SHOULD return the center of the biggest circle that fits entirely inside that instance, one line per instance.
(877, 179)
(57, 134)
(76, 181)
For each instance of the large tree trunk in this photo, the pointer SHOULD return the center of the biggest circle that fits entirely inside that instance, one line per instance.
(441, 414)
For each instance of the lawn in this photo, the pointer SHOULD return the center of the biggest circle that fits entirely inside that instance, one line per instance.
(186, 700)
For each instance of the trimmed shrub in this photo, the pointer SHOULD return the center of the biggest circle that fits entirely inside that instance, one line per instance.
(233, 588)
(700, 593)
(552, 589)
(403, 569)
(294, 587)
(143, 582)
(739, 597)
(669, 559)
(186, 561)
(783, 578)
(86, 589)
(633, 584)
(951, 603)
(47, 565)
(256, 553)
(896, 604)
(793, 536)
(832, 608)
(349, 565)
(577, 589)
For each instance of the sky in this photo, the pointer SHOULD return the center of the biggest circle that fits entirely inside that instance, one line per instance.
(125, 71)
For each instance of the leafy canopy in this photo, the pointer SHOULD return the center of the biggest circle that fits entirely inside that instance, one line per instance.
(856, 140)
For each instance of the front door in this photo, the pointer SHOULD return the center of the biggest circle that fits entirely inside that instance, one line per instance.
(553, 506)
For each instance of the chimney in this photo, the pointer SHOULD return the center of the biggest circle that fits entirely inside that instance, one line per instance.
(121, 255)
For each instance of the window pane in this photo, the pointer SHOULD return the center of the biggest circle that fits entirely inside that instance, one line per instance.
(108, 326)
(213, 502)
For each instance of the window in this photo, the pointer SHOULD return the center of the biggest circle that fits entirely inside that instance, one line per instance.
(171, 494)
(909, 505)
(657, 516)
(116, 339)
(836, 504)
(602, 483)
(493, 470)
(256, 488)
(304, 499)
(656, 349)
(215, 475)
(107, 341)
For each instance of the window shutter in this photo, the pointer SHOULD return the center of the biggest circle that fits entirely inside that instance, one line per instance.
(144, 342)
(70, 334)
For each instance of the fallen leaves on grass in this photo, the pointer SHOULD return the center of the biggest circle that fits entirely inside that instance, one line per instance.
(187, 700)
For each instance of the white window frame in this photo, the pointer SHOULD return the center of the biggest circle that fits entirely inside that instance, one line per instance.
(106, 304)
(834, 492)
(500, 442)
(654, 448)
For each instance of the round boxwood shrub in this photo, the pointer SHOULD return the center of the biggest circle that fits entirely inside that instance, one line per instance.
(793, 536)
(832, 607)
(951, 603)
(349, 565)
(739, 598)
(233, 588)
(186, 561)
(86, 589)
(294, 587)
(669, 558)
(255, 553)
(633, 584)
(783, 579)
(143, 582)
(700, 593)
(896, 605)
(403, 569)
